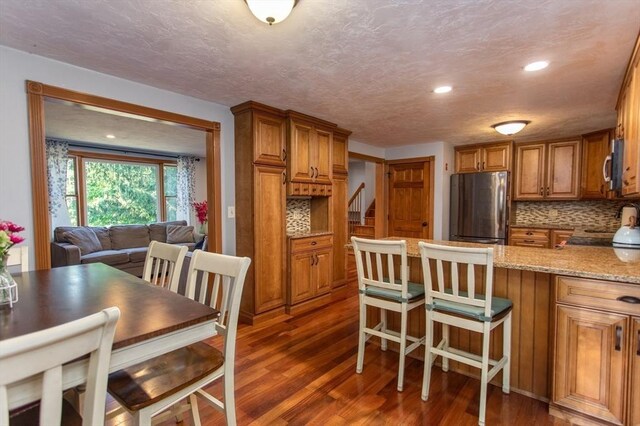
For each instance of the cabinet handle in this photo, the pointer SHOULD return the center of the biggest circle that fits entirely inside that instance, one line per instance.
(602, 189)
(313, 260)
(541, 190)
(629, 299)
(317, 260)
(284, 178)
(478, 165)
(547, 191)
(313, 243)
(529, 233)
(483, 165)
(284, 154)
(316, 176)
(638, 347)
(310, 171)
(618, 338)
(529, 241)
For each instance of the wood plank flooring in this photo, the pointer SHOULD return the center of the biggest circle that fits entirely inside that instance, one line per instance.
(302, 372)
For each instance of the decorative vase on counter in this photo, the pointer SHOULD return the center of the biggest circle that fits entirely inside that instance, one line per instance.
(8, 286)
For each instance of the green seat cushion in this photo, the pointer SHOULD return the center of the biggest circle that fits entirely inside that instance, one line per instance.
(414, 291)
(498, 306)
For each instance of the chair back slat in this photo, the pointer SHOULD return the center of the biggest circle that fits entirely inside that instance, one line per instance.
(385, 274)
(163, 264)
(44, 352)
(450, 290)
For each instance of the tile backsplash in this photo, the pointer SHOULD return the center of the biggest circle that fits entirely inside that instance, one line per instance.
(591, 214)
(298, 215)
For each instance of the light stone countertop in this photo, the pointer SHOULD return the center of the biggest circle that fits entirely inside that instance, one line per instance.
(578, 261)
(295, 235)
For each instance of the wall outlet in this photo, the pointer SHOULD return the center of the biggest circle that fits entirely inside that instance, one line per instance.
(553, 213)
(297, 215)
(231, 212)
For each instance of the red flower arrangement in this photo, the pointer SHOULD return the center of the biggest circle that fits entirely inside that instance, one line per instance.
(201, 211)
(9, 236)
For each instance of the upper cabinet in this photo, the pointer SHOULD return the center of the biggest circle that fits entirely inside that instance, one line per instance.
(547, 170)
(595, 149)
(341, 151)
(270, 142)
(491, 157)
(629, 125)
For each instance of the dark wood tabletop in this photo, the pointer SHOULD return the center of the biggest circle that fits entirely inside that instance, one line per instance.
(52, 297)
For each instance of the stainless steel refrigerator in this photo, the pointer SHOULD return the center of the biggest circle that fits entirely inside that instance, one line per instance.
(479, 207)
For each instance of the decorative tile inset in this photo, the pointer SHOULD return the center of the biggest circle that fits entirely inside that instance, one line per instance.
(579, 214)
(298, 215)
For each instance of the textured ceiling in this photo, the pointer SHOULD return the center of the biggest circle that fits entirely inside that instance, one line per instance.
(368, 65)
(72, 122)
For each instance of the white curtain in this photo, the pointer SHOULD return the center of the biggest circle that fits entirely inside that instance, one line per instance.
(186, 187)
(57, 154)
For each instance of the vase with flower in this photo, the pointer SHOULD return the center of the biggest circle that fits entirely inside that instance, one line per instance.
(8, 238)
(201, 214)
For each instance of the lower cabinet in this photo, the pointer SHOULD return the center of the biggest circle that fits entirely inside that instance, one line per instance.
(310, 268)
(596, 369)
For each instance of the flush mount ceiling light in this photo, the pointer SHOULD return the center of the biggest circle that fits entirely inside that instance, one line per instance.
(536, 66)
(111, 136)
(271, 11)
(442, 89)
(510, 127)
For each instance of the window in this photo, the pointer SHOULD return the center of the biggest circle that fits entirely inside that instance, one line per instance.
(105, 190)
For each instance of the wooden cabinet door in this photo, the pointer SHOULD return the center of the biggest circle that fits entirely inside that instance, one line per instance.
(530, 173)
(496, 157)
(595, 148)
(339, 226)
(634, 377)
(322, 270)
(270, 238)
(301, 286)
(590, 353)
(340, 154)
(322, 156)
(270, 139)
(300, 152)
(558, 236)
(631, 127)
(467, 160)
(563, 168)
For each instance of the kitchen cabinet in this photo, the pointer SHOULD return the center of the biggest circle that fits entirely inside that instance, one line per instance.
(492, 157)
(595, 149)
(547, 170)
(338, 203)
(558, 236)
(634, 365)
(311, 268)
(629, 125)
(594, 336)
(340, 154)
(537, 237)
(270, 139)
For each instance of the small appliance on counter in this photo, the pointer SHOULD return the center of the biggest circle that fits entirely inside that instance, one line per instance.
(628, 236)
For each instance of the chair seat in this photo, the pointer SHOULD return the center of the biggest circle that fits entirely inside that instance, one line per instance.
(498, 307)
(29, 415)
(414, 291)
(145, 383)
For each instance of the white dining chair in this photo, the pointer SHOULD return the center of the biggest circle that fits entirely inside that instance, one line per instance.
(163, 264)
(148, 388)
(44, 352)
(452, 305)
(19, 256)
(383, 286)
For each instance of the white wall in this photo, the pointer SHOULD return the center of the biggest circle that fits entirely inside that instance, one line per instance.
(362, 148)
(443, 154)
(15, 178)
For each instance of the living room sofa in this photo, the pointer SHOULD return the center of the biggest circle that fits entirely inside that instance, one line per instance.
(121, 246)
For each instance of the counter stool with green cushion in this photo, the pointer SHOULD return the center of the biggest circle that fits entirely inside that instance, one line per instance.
(383, 286)
(450, 306)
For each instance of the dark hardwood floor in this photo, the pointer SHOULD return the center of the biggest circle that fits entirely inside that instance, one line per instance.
(302, 371)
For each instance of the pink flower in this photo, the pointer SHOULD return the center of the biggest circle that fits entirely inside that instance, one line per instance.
(4, 226)
(15, 239)
(14, 228)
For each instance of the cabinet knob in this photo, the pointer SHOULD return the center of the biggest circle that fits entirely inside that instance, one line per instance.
(313, 243)
(541, 190)
(548, 191)
(618, 345)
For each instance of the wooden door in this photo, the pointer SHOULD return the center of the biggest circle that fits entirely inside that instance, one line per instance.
(595, 148)
(339, 226)
(634, 377)
(529, 174)
(590, 353)
(340, 154)
(322, 270)
(299, 152)
(467, 160)
(563, 167)
(410, 192)
(301, 286)
(496, 157)
(270, 238)
(270, 139)
(322, 156)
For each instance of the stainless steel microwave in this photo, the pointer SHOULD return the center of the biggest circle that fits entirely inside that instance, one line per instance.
(612, 167)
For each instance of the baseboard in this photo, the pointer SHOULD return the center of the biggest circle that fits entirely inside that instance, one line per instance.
(575, 418)
(300, 308)
(278, 314)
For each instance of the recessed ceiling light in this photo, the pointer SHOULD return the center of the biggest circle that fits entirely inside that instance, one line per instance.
(536, 66)
(111, 136)
(442, 89)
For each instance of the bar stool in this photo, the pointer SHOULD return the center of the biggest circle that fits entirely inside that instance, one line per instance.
(451, 306)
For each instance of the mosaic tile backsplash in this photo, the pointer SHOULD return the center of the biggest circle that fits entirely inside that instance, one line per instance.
(298, 215)
(580, 214)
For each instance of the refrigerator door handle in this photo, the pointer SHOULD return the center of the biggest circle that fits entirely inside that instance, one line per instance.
(604, 168)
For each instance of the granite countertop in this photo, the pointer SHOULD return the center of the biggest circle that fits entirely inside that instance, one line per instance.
(294, 235)
(579, 261)
(541, 226)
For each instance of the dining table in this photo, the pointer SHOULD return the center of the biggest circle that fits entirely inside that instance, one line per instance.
(153, 320)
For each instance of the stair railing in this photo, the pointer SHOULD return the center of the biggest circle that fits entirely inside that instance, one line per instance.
(355, 208)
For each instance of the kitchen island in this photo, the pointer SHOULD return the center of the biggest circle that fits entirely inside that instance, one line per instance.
(568, 323)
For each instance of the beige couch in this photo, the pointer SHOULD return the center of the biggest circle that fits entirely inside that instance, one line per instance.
(121, 246)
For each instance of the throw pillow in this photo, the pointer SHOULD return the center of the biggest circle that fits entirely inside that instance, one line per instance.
(85, 239)
(179, 234)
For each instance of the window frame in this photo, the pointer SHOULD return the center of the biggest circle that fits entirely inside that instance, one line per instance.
(80, 178)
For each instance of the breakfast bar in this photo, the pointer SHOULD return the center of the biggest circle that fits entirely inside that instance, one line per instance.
(576, 324)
